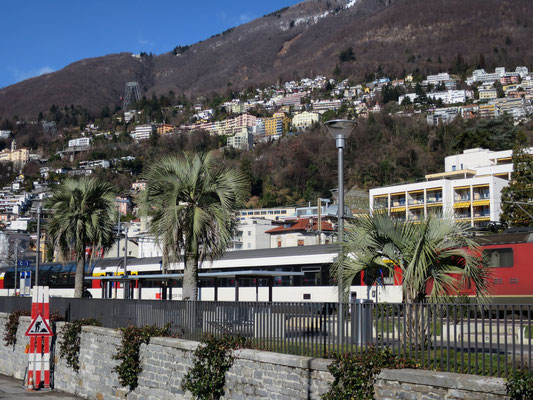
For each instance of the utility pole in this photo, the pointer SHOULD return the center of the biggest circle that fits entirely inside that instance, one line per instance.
(126, 282)
(319, 221)
(118, 233)
(37, 257)
(16, 263)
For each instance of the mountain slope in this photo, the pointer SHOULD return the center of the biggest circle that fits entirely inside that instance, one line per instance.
(303, 40)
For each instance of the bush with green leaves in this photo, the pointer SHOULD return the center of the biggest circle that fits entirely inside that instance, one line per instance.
(11, 327)
(212, 359)
(70, 343)
(520, 385)
(129, 368)
(354, 375)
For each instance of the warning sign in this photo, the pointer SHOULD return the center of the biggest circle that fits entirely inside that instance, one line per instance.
(39, 327)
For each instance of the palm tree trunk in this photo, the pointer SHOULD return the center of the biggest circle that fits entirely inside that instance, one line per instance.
(190, 277)
(80, 273)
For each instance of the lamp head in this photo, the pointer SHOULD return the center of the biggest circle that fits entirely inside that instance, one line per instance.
(340, 127)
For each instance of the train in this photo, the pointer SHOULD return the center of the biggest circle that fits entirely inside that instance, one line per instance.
(290, 274)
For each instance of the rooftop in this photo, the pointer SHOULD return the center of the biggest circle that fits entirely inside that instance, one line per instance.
(302, 224)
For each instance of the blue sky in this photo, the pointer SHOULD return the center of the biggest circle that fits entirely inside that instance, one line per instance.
(43, 36)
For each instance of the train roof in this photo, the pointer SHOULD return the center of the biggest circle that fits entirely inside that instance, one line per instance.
(228, 256)
(512, 237)
(253, 254)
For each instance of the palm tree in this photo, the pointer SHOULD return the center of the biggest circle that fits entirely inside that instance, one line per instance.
(83, 215)
(434, 253)
(191, 201)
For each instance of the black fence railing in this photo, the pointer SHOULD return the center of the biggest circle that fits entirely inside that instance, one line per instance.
(477, 339)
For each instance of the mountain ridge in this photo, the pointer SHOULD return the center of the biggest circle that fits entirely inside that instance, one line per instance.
(303, 40)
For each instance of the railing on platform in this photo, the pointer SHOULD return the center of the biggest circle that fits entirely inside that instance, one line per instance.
(478, 339)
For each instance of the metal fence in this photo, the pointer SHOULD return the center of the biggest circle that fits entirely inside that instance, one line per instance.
(477, 339)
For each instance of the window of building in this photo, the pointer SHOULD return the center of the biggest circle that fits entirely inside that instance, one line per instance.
(249, 233)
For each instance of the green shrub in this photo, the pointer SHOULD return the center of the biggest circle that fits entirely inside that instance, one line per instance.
(520, 385)
(354, 375)
(11, 327)
(70, 343)
(129, 368)
(212, 359)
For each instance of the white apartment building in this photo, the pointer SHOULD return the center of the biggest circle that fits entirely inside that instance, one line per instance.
(5, 134)
(228, 126)
(13, 203)
(273, 214)
(143, 132)
(442, 116)
(243, 139)
(469, 189)
(94, 164)
(293, 99)
(450, 96)
(129, 115)
(251, 234)
(437, 79)
(447, 97)
(79, 142)
(304, 120)
(479, 75)
(322, 106)
(522, 71)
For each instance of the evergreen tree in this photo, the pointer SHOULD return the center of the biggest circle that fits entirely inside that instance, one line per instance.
(520, 189)
(347, 55)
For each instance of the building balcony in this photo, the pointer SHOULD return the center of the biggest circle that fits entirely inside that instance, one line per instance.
(458, 199)
(397, 210)
(434, 201)
(416, 202)
(398, 203)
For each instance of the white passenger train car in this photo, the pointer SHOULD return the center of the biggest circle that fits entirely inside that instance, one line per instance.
(291, 274)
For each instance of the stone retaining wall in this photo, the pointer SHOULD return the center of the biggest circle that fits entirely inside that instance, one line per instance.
(254, 374)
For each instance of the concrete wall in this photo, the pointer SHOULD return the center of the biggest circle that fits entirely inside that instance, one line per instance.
(254, 374)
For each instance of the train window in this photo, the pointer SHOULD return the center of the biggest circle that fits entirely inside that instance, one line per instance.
(500, 258)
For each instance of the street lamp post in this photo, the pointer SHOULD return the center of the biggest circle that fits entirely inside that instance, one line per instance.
(340, 130)
(17, 241)
(119, 202)
(126, 282)
(37, 257)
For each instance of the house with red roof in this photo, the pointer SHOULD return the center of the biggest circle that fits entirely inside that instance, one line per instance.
(301, 232)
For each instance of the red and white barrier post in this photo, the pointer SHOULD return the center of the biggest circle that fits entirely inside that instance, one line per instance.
(40, 333)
